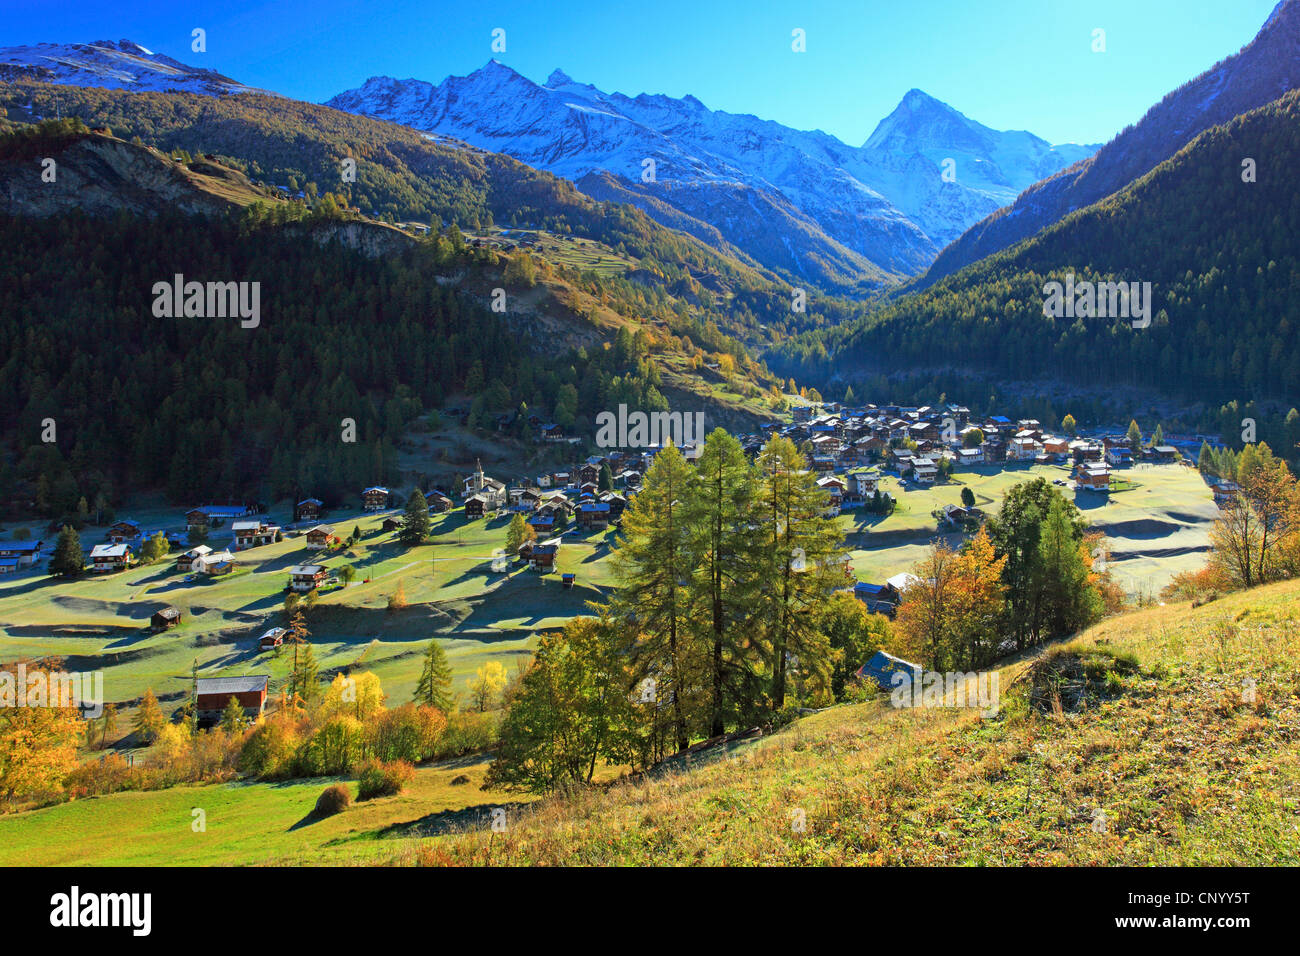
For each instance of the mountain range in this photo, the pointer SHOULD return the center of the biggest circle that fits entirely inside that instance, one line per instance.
(113, 65)
(803, 203)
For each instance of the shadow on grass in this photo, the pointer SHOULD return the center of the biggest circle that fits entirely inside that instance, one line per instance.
(466, 820)
(1088, 500)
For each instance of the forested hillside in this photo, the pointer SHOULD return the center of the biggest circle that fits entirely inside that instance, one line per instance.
(403, 176)
(345, 333)
(1216, 243)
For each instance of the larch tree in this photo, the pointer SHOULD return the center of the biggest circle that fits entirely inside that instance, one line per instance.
(723, 516)
(38, 744)
(800, 562)
(652, 561)
(433, 689)
(148, 718)
(924, 622)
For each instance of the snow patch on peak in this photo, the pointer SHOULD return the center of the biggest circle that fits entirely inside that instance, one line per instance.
(113, 64)
(884, 204)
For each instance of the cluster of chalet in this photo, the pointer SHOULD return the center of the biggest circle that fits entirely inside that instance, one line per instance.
(483, 495)
(379, 498)
(842, 439)
(246, 531)
(553, 500)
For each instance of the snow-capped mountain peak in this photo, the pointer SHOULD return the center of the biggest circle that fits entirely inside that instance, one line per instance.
(874, 210)
(120, 64)
(557, 79)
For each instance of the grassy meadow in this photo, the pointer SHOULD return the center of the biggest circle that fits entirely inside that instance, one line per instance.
(1157, 527)
(1164, 736)
(451, 591)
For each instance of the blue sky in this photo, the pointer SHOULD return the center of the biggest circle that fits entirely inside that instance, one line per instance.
(1010, 64)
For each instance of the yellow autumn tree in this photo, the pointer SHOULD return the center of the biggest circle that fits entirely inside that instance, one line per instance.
(978, 600)
(923, 624)
(489, 680)
(360, 696)
(38, 743)
(949, 615)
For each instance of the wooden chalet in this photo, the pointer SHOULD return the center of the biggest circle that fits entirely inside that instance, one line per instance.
(1093, 477)
(593, 514)
(879, 598)
(374, 498)
(542, 557)
(185, 561)
(213, 563)
(123, 531)
(882, 668)
(319, 537)
(111, 557)
(165, 618)
(306, 577)
(253, 534)
(212, 695)
(22, 553)
(213, 516)
(309, 509)
(924, 471)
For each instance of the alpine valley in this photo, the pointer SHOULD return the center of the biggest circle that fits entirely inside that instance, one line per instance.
(492, 448)
(802, 203)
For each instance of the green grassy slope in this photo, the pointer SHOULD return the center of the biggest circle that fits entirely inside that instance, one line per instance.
(1156, 527)
(1165, 761)
(1138, 742)
(245, 824)
(101, 621)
